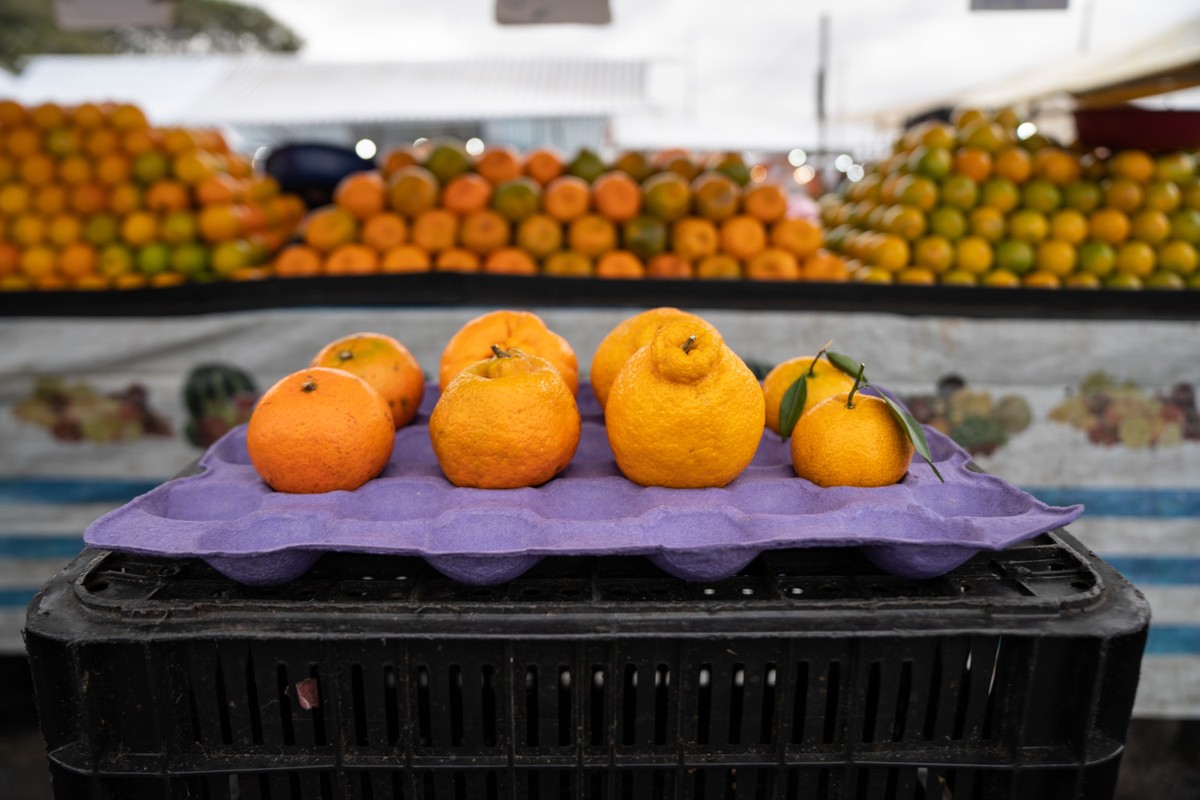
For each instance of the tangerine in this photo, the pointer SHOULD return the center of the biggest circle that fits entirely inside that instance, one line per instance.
(773, 264)
(684, 411)
(850, 439)
(616, 196)
(406, 258)
(320, 430)
(363, 194)
(715, 196)
(457, 259)
(351, 258)
(592, 235)
(798, 235)
(625, 339)
(467, 193)
(510, 261)
(384, 363)
(766, 202)
(694, 238)
(297, 261)
(540, 235)
(669, 266)
(499, 165)
(505, 422)
(544, 164)
(821, 379)
(411, 190)
(567, 197)
(483, 231)
(384, 230)
(619, 264)
(509, 330)
(434, 229)
(744, 236)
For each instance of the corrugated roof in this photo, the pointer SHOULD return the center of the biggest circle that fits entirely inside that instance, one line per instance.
(237, 90)
(163, 86)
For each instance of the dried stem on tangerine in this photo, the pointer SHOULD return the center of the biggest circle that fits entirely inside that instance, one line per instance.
(858, 381)
(812, 368)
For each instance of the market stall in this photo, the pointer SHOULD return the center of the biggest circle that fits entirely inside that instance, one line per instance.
(1060, 399)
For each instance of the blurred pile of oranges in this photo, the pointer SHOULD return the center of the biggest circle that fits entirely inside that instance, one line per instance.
(661, 215)
(93, 197)
(971, 202)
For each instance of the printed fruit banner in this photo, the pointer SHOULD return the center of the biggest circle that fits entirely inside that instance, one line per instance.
(96, 411)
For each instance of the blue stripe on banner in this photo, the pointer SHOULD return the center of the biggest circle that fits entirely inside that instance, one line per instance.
(73, 490)
(1165, 570)
(33, 546)
(1161, 503)
(16, 598)
(1173, 640)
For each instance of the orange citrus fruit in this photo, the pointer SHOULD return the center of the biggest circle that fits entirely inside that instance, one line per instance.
(361, 193)
(821, 379)
(296, 261)
(505, 422)
(384, 230)
(406, 258)
(685, 411)
(715, 196)
(319, 430)
(625, 339)
(620, 264)
(510, 261)
(1109, 225)
(498, 165)
(457, 259)
(466, 193)
(566, 198)
(744, 236)
(327, 228)
(508, 330)
(616, 196)
(384, 363)
(773, 264)
(850, 440)
(411, 190)
(544, 164)
(669, 266)
(351, 258)
(765, 201)
(483, 231)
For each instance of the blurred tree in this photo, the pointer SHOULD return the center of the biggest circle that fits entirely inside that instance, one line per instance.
(29, 27)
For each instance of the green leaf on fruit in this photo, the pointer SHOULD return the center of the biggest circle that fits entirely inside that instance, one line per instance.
(914, 432)
(792, 405)
(845, 363)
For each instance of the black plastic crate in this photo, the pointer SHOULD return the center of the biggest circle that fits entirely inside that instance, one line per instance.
(809, 675)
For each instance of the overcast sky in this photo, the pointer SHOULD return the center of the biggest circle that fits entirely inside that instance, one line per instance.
(750, 60)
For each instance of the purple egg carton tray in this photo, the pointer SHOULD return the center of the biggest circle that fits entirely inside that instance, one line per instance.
(227, 516)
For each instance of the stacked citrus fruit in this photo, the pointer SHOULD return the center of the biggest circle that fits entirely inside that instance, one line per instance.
(972, 203)
(664, 215)
(93, 197)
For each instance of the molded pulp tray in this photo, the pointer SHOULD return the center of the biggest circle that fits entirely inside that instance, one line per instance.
(226, 515)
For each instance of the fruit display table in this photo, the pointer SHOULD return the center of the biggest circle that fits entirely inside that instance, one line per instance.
(1081, 397)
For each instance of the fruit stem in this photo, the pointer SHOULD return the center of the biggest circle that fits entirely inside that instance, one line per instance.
(858, 381)
(689, 344)
(345, 355)
(500, 353)
(812, 367)
(308, 386)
